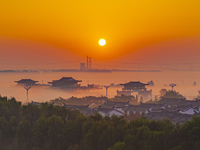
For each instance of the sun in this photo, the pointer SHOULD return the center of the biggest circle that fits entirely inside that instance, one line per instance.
(102, 42)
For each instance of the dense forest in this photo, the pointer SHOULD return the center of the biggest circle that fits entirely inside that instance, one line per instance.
(48, 127)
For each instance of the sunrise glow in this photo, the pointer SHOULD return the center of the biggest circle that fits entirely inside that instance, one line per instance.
(102, 42)
(75, 26)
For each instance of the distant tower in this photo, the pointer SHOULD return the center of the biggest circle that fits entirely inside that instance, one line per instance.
(87, 62)
(106, 90)
(172, 85)
(27, 88)
(90, 62)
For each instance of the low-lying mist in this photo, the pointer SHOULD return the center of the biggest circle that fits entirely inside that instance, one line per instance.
(184, 80)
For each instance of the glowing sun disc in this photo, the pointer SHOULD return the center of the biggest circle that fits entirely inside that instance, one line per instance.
(102, 42)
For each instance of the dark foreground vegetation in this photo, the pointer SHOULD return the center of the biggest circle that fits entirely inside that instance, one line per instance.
(56, 128)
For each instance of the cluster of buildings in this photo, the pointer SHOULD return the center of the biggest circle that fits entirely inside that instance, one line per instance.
(72, 84)
(64, 83)
(176, 110)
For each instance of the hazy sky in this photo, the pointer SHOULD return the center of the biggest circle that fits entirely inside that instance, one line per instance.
(64, 29)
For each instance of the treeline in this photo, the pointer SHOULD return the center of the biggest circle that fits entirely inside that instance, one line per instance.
(56, 128)
(93, 100)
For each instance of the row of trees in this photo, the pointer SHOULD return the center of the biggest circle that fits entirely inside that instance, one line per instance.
(91, 100)
(56, 128)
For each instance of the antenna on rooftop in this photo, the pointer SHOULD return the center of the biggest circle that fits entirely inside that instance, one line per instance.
(172, 85)
(106, 90)
(27, 88)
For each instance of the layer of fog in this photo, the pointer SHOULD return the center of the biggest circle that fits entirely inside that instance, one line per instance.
(184, 81)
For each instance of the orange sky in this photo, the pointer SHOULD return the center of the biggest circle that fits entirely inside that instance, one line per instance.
(75, 26)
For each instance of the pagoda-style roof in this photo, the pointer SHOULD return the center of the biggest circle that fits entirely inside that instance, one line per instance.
(65, 80)
(26, 82)
(22, 81)
(134, 84)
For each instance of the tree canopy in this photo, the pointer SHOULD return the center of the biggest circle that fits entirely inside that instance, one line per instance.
(49, 127)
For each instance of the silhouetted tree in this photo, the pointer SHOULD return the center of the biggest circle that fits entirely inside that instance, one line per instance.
(173, 94)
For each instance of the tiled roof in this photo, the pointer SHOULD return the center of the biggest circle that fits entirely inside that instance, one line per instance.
(136, 108)
(108, 110)
(134, 83)
(64, 79)
(76, 106)
(179, 101)
(150, 105)
(25, 80)
(111, 104)
(174, 117)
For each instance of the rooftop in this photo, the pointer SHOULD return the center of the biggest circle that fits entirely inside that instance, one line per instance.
(111, 104)
(25, 81)
(65, 79)
(134, 84)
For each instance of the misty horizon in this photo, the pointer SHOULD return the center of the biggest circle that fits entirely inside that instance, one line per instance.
(184, 80)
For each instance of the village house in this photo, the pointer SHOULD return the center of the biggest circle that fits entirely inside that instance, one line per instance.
(189, 110)
(175, 117)
(176, 110)
(111, 104)
(110, 108)
(143, 108)
(174, 102)
(151, 105)
(135, 109)
(109, 112)
(194, 103)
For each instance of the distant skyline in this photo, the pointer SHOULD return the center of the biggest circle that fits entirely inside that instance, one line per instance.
(51, 34)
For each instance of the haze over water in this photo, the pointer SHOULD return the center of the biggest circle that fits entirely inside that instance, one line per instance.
(183, 79)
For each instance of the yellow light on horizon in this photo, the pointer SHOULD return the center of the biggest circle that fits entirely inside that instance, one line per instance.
(102, 42)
